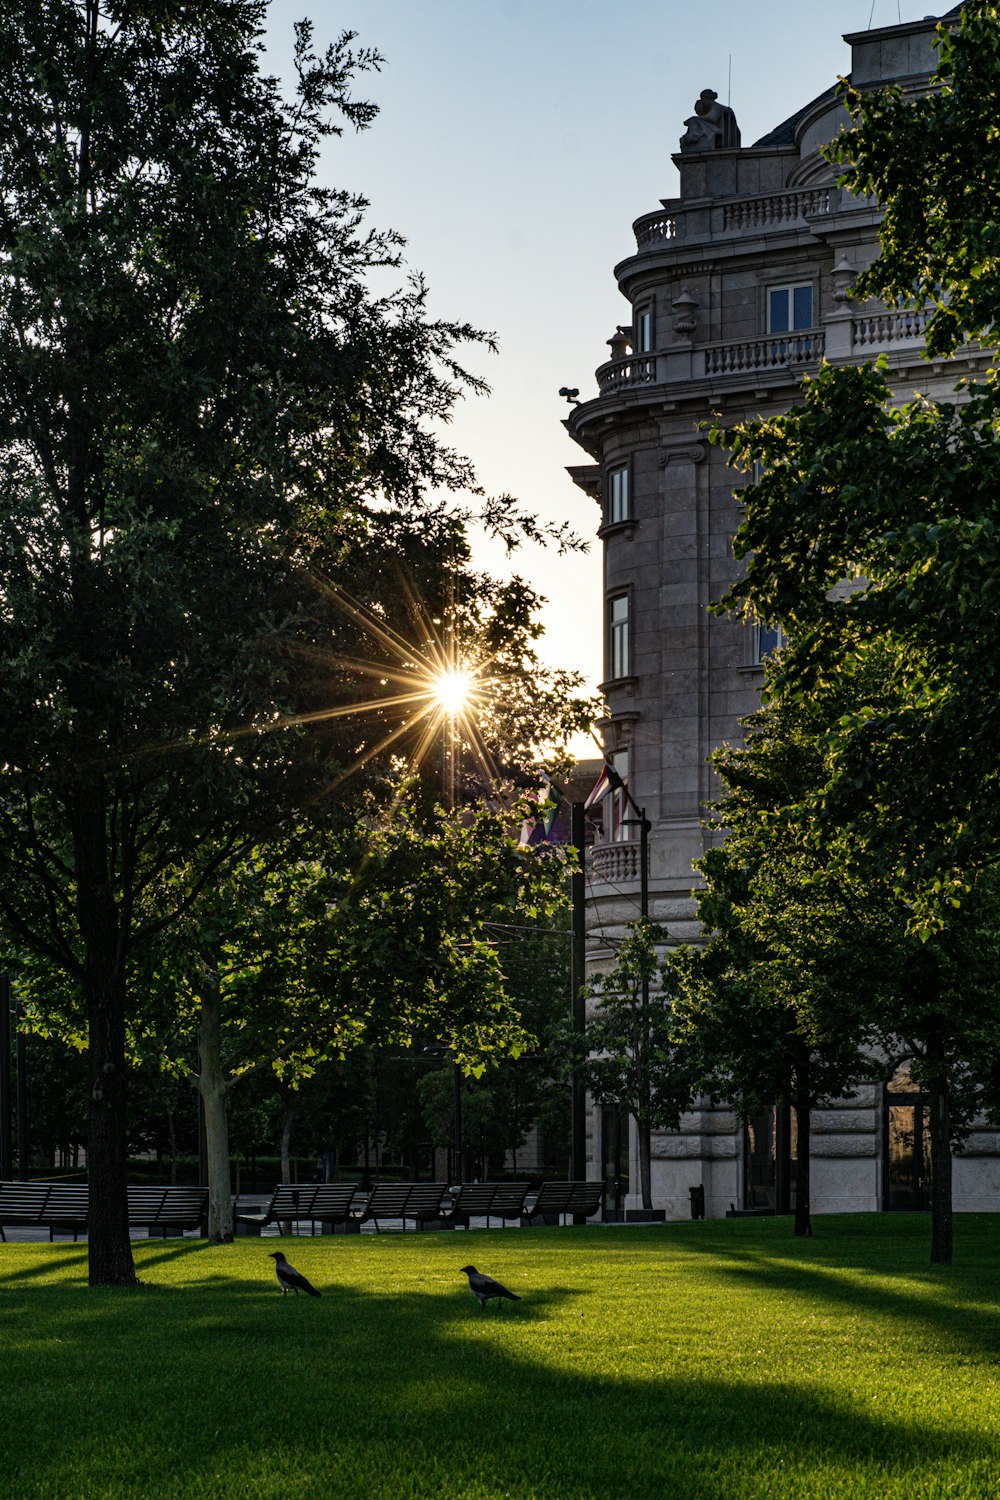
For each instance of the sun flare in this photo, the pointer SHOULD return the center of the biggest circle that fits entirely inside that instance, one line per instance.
(451, 690)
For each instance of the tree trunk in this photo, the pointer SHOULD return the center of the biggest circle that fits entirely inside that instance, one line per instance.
(803, 1220)
(286, 1142)
(645, 1156)
(109, 1248)
(173, 1147)
(940, 1130)
(212, 1088)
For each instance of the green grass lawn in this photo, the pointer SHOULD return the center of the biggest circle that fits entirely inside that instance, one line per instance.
(694, 1360)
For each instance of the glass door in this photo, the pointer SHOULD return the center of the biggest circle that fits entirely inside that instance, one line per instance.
(614, 1159)
(906, 1145)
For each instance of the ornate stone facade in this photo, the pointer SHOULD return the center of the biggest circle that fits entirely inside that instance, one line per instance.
(738, 287)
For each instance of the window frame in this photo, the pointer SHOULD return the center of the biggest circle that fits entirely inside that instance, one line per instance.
(790, 287)
(618, 637)
(755, 658)
(610, 474)
(642, 329)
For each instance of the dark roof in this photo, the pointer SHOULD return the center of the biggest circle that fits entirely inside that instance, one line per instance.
(784, 134)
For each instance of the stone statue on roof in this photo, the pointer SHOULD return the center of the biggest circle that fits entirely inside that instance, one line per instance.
(712, 127)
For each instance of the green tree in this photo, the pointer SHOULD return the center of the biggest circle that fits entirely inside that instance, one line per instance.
(376, 935)
(632, 1054)
(901, 500)
(205, 412)
(811, 972)
(772, 1009)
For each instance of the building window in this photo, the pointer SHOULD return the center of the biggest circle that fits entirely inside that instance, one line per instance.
(617, 496)
(765, 640)
(618, 642)
(617, 809)
(789, 308)
(643, 331)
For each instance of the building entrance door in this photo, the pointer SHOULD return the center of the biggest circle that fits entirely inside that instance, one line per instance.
(614, 1158)
(769, 1158)
(906, 1145)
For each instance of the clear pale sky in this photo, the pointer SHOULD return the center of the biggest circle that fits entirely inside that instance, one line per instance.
(516, 143)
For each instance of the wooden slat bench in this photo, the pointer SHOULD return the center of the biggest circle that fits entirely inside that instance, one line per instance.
(168, 1209)
(331, 1207)
(290, 1204)
(420, 1201)
(59, 1207)
(486, 1200)
(555, 1199)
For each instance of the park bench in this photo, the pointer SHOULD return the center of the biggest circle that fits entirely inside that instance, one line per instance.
(168, 1209)
(555, 1199)
(59, 1207)
(326, 1203)
(420, 1201)
(331, 1207)
(290, 1204)
(478, 1200)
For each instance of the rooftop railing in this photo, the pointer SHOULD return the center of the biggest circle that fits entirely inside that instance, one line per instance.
(704, 221)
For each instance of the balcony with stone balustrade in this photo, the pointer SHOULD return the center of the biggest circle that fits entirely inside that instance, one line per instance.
(688, 223)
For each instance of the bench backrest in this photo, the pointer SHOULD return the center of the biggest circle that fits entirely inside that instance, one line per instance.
(474, 1198)
(509, 1200)
(68, 1203)
(425, 1199)
(332, 1200)
(502, 1200)
(569, 1198)
(292, 1201)
(166, 1205)
(405, 1200)
(23, 1200)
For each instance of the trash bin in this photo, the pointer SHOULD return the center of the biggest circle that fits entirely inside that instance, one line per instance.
(697, 1201)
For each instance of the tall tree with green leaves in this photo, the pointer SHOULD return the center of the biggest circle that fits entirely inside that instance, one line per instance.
(206, 411)
(901, 500)
(812, 979)
(632, 1057)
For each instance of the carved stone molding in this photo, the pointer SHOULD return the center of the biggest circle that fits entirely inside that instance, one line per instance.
(690, 453)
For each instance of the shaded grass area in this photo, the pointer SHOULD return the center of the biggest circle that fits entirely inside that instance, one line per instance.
(693, 1361)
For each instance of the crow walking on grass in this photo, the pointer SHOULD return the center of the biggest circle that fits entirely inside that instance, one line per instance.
(484, 1287)
(291, 1280)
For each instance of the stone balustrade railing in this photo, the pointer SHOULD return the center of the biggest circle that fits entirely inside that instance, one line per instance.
(624, 374)
(776, 351)
(774, 208)
(657, 228)
(708, 221)
(873, 330)
(614, 864)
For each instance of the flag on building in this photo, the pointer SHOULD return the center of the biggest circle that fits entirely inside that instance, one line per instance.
(608, 781)
(538, 827)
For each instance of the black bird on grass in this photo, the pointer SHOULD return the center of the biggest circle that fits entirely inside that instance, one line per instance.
(291, 1280)
(484, 1287)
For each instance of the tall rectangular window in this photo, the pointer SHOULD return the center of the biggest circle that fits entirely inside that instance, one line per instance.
(766, 639)
(618, 642)
(790, 308)
(643, 329)
(618, 499)
(617, 809)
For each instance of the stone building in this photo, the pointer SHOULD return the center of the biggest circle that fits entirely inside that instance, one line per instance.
(737, 288)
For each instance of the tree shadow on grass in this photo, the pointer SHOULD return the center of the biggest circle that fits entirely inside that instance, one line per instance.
(76, 1256)
(959, 1304)
(242, 1392)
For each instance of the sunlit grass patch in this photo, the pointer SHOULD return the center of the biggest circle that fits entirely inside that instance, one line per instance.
(693, 1360)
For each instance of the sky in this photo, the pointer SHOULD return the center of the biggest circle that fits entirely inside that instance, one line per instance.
(517, 141)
